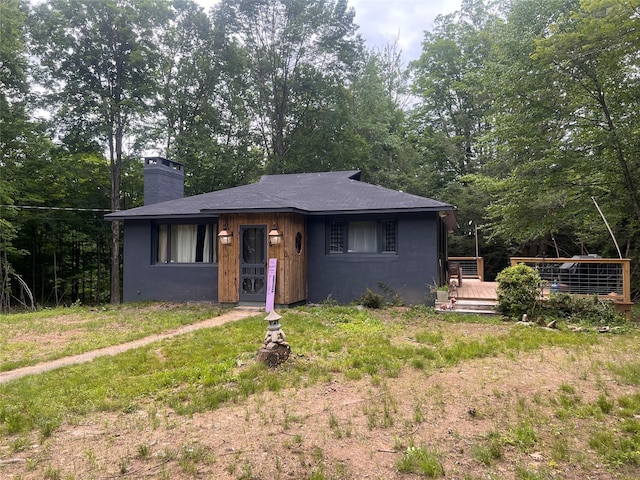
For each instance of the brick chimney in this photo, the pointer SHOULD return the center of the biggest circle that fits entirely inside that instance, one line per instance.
(163, 180)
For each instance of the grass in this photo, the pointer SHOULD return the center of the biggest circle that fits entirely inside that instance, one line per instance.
(199, 372)
(212, 368)
(30, 338)
(421, 460)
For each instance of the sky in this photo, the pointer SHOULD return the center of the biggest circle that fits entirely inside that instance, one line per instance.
(382, 21)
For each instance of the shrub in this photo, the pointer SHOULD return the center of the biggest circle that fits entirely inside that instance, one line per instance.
(518, 290)
(589, 310)
(372, 300)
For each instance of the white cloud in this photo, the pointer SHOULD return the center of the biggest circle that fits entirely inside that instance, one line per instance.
(382, 21)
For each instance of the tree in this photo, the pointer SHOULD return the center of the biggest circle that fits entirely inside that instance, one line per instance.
(452, 91)
(563, 125)
(297, 55)
(20, 138)
(13, 88)
(97, 59)
(201, 106)
(377, 97)
(593, 52)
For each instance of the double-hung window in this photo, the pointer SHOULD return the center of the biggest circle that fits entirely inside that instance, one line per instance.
(368, 236)
(186, 243)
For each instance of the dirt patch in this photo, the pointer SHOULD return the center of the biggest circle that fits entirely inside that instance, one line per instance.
(349, 429)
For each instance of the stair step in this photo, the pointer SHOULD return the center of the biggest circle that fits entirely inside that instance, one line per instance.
(469, 311)
(485, 305)
(468, 301)
(482, 307)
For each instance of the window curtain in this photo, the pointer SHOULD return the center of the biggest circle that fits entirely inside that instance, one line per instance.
(162, 244)
(362, 237)
(189, 243)
(206, 251)
(184, 240)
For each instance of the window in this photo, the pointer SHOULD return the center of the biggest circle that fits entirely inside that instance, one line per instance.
(336, 237)
(298, 243)
(186, 243)
(388, 236)
(363, 237)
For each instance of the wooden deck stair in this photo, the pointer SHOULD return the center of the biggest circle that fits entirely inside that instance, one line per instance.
(473, 296)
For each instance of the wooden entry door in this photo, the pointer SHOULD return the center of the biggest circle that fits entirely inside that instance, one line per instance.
(253, 263)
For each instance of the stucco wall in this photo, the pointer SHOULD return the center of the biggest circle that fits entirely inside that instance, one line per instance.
(169, 282)
(345, 277)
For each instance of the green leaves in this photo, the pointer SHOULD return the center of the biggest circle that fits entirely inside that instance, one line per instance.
(297, 57)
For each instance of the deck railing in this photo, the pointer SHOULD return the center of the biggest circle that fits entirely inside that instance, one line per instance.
(605, 277)
(472, 267)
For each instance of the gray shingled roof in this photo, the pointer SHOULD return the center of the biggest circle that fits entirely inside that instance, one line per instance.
(308, 193)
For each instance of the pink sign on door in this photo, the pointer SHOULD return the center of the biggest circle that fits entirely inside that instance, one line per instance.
(271, 284)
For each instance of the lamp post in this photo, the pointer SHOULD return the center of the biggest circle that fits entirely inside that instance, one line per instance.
(475, 234)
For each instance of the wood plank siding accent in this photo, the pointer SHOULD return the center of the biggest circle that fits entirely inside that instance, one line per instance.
(291, 276)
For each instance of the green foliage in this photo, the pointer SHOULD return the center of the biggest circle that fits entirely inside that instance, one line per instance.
(449, 82)
(391, 297)
(522, 436)
(284, 88)
(421, 460)
(583, 310)
(518, 290)
(372, 300)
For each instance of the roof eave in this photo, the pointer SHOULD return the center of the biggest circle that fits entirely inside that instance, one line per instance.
(382, 211)
(209, 212)
(226, 211)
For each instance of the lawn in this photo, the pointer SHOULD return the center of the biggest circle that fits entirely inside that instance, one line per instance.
(30, 338)
(390, 393)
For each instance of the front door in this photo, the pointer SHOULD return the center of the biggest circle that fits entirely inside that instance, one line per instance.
(253, 263)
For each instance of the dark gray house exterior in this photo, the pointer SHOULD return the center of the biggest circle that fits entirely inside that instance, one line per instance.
(331, 235)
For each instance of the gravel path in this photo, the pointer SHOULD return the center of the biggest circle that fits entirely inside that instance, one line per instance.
(233, 315)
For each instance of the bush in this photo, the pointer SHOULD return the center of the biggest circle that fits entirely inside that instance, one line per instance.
(518, 290)
(372, 300)
(589, 310)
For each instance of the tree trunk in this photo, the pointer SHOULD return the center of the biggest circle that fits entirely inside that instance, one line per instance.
(116, 166)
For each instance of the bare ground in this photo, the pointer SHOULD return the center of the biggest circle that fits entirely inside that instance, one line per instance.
(358, 429)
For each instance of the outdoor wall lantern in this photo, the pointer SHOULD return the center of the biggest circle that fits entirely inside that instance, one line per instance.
(275, 237)
(225, 236)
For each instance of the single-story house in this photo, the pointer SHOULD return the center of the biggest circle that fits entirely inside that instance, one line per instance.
(333, 237)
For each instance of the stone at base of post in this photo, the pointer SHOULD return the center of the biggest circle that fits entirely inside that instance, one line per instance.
(274, 354)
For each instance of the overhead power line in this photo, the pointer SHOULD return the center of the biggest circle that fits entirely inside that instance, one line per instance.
(66, 209)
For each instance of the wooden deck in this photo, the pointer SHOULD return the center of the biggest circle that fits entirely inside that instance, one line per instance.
(474, 296)
(474, 289)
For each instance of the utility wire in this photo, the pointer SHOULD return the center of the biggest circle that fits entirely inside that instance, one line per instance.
(66, 209)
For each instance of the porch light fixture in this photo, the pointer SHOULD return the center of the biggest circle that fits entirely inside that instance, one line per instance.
(275, 237)
(225, 236)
